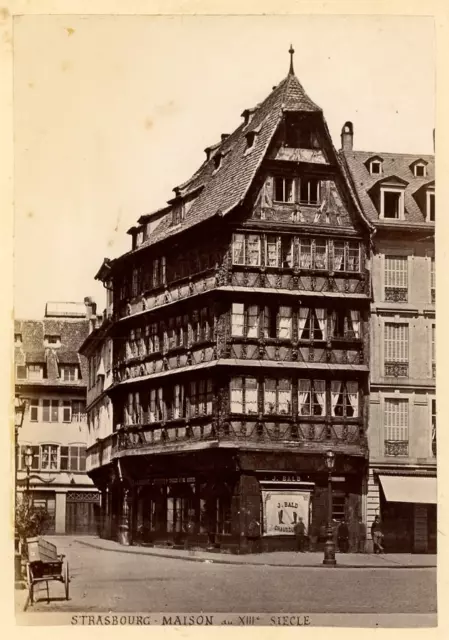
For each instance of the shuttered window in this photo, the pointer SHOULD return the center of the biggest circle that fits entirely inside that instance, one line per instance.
(396, 342)
(396, 274)
(396, 420)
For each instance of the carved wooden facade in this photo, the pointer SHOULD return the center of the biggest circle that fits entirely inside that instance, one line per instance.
(241, 342)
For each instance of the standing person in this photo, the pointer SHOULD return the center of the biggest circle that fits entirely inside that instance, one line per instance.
(361, 537)
(377, 535)
(343, 536)
(300, 532)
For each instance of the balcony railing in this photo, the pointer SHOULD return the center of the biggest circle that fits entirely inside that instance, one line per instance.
(396, 448)
(396, 294)
(396, 369)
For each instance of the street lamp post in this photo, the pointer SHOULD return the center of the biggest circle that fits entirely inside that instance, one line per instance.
(329, 547)
(19, 412)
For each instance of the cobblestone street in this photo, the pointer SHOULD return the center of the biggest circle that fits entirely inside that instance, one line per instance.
(104, 581)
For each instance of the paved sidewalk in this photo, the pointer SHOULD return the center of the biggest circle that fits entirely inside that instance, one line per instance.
(275, 558)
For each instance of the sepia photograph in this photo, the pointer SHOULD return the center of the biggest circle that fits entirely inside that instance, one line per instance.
(224, 320)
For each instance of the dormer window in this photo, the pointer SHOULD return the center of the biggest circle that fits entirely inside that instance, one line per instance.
(69, 373)
(218, 157)
(420, 171)
(392, 204)
(178, 213)
(18, 339)
(139, 237)
(430, 206)
(375, 167)
(250, 138)
(52, 341)
(419, 168)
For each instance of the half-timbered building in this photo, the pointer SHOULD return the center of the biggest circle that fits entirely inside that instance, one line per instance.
(240, 325)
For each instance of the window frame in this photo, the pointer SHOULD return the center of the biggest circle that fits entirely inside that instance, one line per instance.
(277, 393)
(309, 202)
(284, 189)
(401, 206)
(430, 210)
(401, 430)
(244, 392)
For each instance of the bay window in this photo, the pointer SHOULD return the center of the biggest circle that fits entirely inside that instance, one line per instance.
(278, 396)
(244, 393)
(311, 397)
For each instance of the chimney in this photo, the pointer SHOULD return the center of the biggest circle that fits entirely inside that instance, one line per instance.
(347, 136)
(224, 136)
(91, 307)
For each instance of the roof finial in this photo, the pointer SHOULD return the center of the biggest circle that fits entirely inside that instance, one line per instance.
(291, 52)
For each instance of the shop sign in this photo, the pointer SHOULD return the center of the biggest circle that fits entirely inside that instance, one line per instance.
(280, 477)
(282, 510)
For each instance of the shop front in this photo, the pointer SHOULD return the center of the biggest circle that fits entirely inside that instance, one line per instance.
(408, 512)
(224, 500)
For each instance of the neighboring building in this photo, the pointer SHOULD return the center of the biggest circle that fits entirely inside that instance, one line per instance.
(52, 378)
(97, 349)
(241, 344)
(397, 193)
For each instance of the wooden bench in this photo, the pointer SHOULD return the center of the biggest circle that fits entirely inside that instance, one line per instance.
(45, 564)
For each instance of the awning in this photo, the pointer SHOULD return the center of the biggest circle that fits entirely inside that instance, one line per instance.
(409, 489)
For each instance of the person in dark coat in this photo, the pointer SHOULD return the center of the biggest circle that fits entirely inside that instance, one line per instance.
(300, 532)
(377, 535)
(343, 537)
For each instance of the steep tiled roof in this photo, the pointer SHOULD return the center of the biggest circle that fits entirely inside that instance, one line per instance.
(32, 350)
(393, 165)
(224, 188)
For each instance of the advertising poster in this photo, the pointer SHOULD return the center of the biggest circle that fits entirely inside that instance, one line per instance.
(282, 509)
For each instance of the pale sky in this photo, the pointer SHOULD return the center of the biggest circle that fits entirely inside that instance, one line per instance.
(111, 113)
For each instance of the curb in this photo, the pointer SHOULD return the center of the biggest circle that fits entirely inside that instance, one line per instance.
(171, 556)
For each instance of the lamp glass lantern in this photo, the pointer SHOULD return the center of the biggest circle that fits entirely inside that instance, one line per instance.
(330, 460)
(28, 457)
(19, 411)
